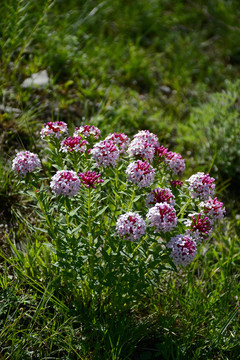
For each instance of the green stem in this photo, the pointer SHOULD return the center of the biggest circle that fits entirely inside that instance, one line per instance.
(184, 207)
(90, 233)
(67, 207)
(43, 210)
(89, 217)
(136, 248)
(131, 201)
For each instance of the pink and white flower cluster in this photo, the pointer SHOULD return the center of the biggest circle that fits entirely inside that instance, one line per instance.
(159, 195)
(140, 173)
(87, 131)
(173, 160)
(131, 226)
(55, 129)
(90, 179)
(141, 149)
(121, 140)
(199, 226)
(201, 185)
(25, 162)
(66, 183)
(213, 208)
(105, 153)
(175, 163)
(162, 217)
(143, 145)
(74, 144)
(146, 135)
(184, 249)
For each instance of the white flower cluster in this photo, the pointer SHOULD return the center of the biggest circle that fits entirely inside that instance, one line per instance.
(184, 249)
(159, 195)
(54, 129)
(66, 183)
(213, 208)
(140, 173)
(131, 226)
(175, 163)
(87, 131)
(121, 140)
(201, 185)
(147, 136)
(105, 153)
(142, 149)
(162, 217)
(25, 162)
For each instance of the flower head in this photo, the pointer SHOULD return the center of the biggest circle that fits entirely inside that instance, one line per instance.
(141, 148)
(175, 163)
(200, 227)
(105, 153)
(54, 129)
(66, 183)
(159, 195)
(184, 249)
(213, 208)
(121, 140)
(147, 136)
(74, 144)
(25, 162)
(176, 183)
(201, 185)
(161, 152)
(140, 173)
(162, 217)
(90, 179)
(87, 131)
(131, 226)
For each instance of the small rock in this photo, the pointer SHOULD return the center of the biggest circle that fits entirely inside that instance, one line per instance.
(40, 79)
(165, 89)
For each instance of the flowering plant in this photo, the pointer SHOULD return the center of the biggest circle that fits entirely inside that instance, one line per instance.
(114, 210)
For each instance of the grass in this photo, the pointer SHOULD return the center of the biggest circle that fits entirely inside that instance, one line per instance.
(123, 67)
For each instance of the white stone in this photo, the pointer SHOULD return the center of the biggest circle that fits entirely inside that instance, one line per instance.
(39, 79)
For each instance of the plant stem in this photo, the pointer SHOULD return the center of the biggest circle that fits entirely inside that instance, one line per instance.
(90, 233)
(131, 201)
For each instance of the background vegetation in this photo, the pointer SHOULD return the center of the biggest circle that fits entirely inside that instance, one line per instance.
(169, 66)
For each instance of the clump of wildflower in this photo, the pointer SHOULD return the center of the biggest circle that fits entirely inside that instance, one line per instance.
(184, 249)
(87, 131)
(131, 226)
(159, 195)
(161, 152)
(213, 208)
(175, 163)
(66, 183)
(55, 129)
(105, 153)
(121, 140)
(176, 183)
(147, 136)
(25, 162)
(141, 148)
(162, 217)
(90, 179)
(140, 173)
(201, 185)
(200, 227)
(75, 144)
